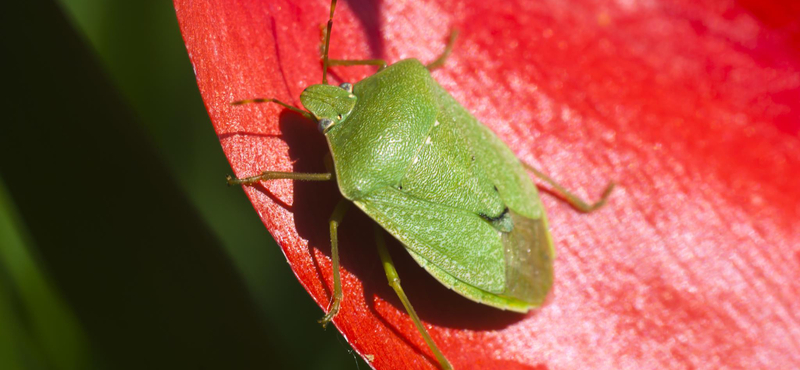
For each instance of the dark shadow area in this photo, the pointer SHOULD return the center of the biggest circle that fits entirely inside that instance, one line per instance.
(368, 13)
(149, 283)
(314, 201)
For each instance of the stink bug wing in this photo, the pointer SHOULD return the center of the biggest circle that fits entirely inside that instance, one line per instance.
(459, 249)
(529, 259)
(494, 156)
(510, 270)
(528, 248)
(529, 269)
(458, 242)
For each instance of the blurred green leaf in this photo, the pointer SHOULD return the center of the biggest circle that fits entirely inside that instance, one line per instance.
(40, 330)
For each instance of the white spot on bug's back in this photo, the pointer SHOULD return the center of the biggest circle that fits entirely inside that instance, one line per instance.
(416, 159)
(428, 141)
(436, 123)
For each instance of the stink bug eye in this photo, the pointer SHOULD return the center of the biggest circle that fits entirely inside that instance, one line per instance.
(431, 175)
(324, 124)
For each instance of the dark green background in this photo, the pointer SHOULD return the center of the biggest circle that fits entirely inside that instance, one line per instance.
(120, 245)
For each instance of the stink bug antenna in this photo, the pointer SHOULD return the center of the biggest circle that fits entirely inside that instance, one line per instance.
(327, 45)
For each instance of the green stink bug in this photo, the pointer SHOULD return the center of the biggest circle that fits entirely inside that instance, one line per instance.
(414, 160)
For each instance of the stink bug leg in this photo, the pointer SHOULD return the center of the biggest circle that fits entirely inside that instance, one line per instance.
(394, 282)
(270, 100)
(575, 201)
(336, 298)
(358, 62)
(273, 175)
(439, 61)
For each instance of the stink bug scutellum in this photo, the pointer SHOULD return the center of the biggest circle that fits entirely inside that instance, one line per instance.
(415, 161)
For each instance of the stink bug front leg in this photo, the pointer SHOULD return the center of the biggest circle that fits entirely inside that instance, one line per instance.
(381, 63)
(271, 100)
(358, 62)
(438, 62)
(274, 175)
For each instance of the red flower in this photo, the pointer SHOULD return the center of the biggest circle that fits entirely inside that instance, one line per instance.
(692, 107)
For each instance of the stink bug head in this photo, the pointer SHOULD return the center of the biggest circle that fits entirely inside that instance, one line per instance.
(328, 104)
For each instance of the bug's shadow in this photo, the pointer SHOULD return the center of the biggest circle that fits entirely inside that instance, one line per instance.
(313, 205)
(368, 13)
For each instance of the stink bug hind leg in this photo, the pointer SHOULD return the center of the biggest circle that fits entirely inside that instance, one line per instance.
(394, 282)
(575, 201)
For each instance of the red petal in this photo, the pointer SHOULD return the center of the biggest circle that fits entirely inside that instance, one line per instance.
(691, 106)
